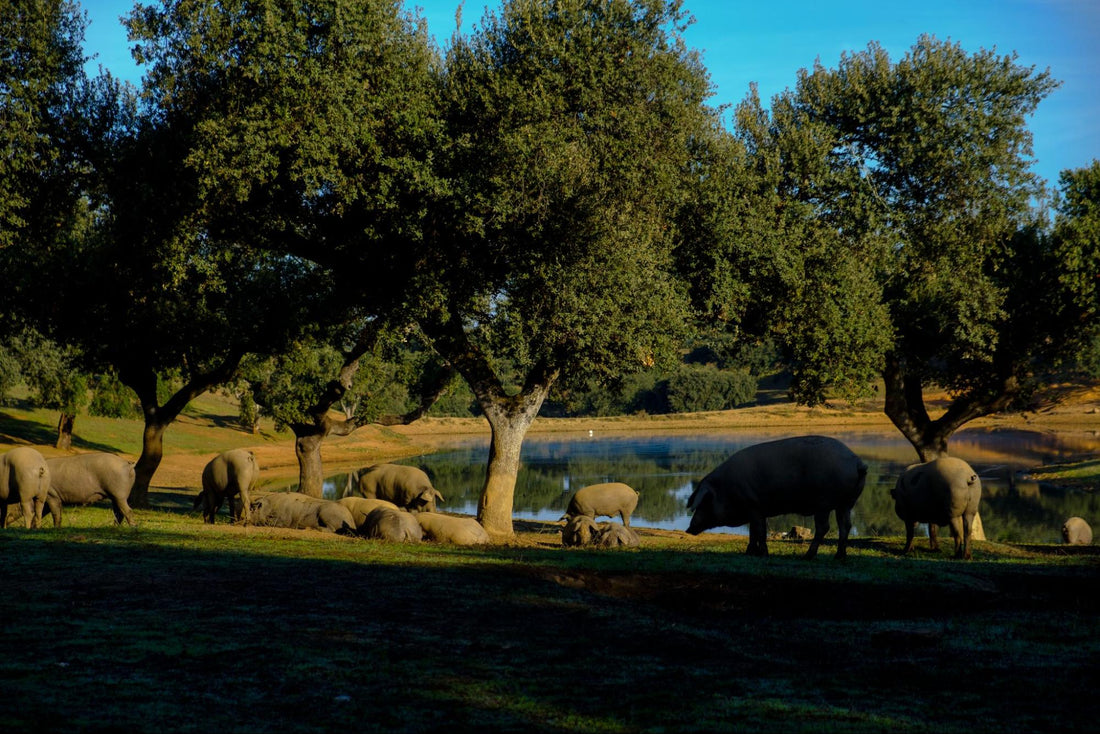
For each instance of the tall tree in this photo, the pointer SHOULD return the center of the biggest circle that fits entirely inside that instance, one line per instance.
(305, 130)
(568, 124)
(920, 170)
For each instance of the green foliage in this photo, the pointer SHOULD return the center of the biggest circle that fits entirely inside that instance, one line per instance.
(40, 72)
(907, 184)
(51, 372)
(701, 388)
(112, 399)
(308, 128)
(567, 125)
(10, 375)
(249, 411)
(289, 384)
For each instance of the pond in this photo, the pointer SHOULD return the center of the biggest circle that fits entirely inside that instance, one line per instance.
(663, 467)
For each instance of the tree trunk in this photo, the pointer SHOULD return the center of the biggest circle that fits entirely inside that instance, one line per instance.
(142, 379)
(509, 420)
(152, 451)
(905, 407)
(307, 448)
(65, 431)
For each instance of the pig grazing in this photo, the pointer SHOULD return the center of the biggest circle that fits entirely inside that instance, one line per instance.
(1075, 531)
(945, 491)
(405, 486)
(397, 526)
(229, 476)
(599, 500)
(582, 530)
(579, 530)
(300, 511)
(87, 478)
(361, 507)
(614, 535)
(804, 475)
(451, 529)
(24, 479)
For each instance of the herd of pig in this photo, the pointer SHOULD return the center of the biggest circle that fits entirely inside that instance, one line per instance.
(806, 475)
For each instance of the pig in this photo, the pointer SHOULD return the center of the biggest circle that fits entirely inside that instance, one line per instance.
(405, 486)
(599, 500)
(24, 479)
(614, 535)
(300, 511)
(87, 478)
(397, 526)
(1075, 531)
(803, 475)
(451, 529)
(579, 530)
(945, 491)
(230, 476)
(361, 507)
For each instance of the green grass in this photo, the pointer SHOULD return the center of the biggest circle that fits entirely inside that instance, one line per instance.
(1081, 474)
(177, 626)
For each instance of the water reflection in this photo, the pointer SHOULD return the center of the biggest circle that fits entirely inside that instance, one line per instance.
(663, 467)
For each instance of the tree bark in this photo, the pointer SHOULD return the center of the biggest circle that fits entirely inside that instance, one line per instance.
(65, 431)
(143, 380)
(509, 416)
(152, 451)
(307, 449)
(509, 420)
(905, 407)
(309, 436)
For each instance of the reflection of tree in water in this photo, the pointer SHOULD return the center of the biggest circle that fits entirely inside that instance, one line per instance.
(663, 470)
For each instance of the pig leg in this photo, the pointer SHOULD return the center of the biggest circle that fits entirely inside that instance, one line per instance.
(844, 527)
(54, 503)
(758, 537)
(959, 533)
(28, 513)
(246, 506)
(821, 526)
(123, 511)
(910, 531)
(933, 536)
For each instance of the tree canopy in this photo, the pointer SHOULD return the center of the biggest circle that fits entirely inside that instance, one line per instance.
(920, 170)
(567, 126)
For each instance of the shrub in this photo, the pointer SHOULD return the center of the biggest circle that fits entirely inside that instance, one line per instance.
(694, 388)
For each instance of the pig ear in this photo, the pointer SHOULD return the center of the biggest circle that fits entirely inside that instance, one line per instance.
(438, 496)
(702, 491)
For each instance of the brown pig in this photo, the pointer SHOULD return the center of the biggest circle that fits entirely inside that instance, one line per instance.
(945, 491)
(599, 500)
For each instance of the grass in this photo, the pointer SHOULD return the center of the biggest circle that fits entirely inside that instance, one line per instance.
(177, 626)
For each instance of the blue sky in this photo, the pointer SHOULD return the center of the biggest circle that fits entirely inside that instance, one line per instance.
(768, 42)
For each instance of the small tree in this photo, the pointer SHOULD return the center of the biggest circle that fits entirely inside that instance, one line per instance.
(56, 381)
(303, 387)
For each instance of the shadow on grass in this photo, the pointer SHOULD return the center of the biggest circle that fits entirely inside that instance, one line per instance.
(228, 631)
(14, 430)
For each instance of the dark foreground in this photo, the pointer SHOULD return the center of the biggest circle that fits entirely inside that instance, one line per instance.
(173, 627)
